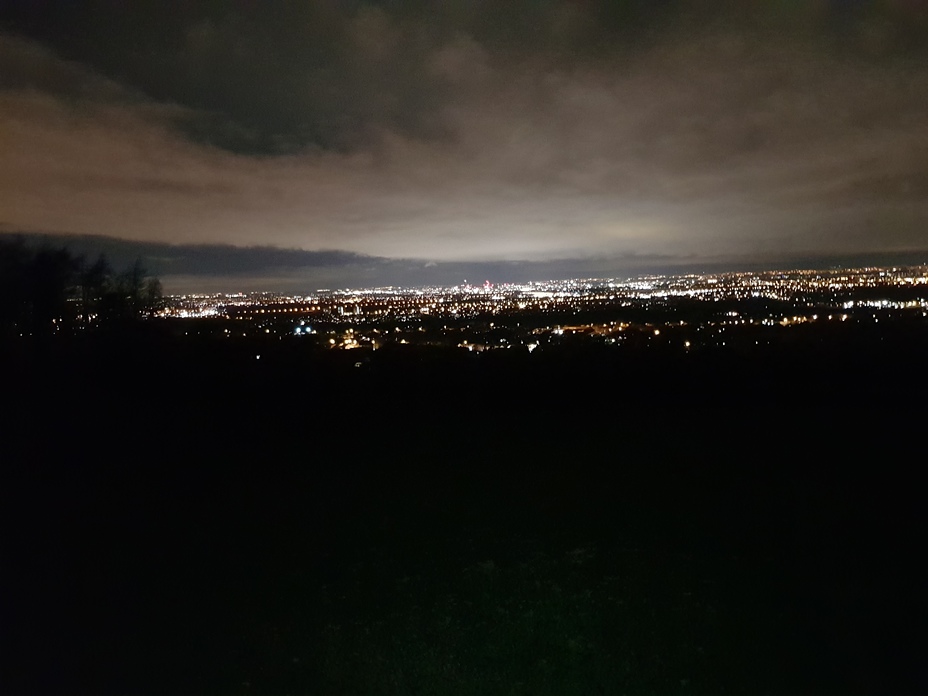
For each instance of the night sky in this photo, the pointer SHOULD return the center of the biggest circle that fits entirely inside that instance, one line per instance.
(426, 141)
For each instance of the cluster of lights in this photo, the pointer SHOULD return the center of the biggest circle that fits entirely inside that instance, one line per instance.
(530, 315)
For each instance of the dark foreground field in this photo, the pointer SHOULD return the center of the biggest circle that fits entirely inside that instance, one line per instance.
(183, 520)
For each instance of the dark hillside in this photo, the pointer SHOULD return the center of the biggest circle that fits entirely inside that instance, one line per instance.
(189, 519)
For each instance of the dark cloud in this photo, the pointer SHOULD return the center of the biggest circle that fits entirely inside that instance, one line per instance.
(192, 259)
(224, 268)
(275, 77)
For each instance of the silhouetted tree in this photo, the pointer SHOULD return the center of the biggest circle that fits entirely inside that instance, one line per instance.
(52, 276)
(35, 286)
(94, 282)
(153, 295)
(132, 295)
(131, 285)
(15, 260)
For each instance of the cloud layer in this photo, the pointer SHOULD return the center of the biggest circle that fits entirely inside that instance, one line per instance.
(540, 132)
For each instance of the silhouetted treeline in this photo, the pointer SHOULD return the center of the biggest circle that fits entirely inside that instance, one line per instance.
(46, 290)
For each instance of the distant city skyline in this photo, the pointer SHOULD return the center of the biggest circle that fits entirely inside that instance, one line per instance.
(282, 145)
(688, 313)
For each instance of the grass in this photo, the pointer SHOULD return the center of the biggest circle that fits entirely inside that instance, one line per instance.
(582, 619)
